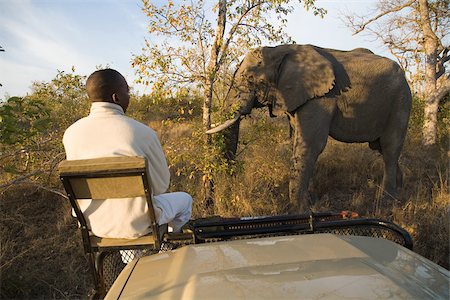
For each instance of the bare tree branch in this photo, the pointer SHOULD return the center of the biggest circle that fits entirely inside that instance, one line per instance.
(441, 61)
(54, 191)
(234, 29)
(21, 178)
(382, 14)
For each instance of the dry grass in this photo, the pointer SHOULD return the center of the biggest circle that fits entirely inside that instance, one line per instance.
(41, 254)
(347, 177)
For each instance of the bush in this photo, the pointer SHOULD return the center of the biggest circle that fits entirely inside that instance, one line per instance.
(180, 108)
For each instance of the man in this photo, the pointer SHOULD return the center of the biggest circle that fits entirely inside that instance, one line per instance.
(107, 132)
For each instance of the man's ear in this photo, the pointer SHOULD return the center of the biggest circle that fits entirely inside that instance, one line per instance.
(115, 98)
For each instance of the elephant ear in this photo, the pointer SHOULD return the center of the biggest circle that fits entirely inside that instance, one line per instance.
(303, 74)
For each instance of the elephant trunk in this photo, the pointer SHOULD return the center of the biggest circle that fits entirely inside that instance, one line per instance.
(231, 139)
(230, 128)
(244, 109)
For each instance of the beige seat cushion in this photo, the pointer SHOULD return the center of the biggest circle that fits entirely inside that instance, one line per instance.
(104, 165)
(108, 242)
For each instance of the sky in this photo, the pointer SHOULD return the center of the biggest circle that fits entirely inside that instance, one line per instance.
(41, 37)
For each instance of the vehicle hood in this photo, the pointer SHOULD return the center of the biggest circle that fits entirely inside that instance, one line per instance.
(318, 266)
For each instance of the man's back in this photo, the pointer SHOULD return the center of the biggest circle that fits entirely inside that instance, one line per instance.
(107, 132)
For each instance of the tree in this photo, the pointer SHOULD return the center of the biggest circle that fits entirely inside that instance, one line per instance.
(21, 119)
(416, 32)
(65, 96)
(32, 128)
(191, 51)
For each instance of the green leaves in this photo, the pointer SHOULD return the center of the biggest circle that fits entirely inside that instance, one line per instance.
(186, 31)
(65, 96)
(31, 128)
(22, 119)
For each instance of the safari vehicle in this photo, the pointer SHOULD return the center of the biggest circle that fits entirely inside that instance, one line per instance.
(311, 256)
(307, 256)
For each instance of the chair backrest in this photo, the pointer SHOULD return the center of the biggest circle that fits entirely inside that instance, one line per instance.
(107, 178)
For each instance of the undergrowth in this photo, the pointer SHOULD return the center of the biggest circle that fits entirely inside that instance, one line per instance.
(41, 254)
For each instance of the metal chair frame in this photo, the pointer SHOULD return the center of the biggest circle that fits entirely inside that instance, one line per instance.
(96, 248)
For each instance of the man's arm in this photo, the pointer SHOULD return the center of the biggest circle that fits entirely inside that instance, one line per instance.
(157, 164)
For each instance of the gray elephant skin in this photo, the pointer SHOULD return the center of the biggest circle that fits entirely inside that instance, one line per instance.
(353, 96)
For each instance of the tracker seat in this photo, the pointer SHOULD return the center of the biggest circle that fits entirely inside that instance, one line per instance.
(109, 178)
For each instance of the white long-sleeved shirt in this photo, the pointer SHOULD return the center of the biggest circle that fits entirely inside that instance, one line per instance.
(107, 132)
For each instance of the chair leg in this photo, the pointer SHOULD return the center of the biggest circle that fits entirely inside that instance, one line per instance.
(99, 257)
(98, 291)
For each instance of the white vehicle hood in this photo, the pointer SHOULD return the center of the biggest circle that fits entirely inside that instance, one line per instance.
(316, 266)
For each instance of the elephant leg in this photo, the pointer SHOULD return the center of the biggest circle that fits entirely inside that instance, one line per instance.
(399, 177)
(391, 145)
(375, 145)
(311, 128)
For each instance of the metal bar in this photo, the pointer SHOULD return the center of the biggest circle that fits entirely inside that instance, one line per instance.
(261, 220)
(151, 211)
(74, 203)
(226, 229)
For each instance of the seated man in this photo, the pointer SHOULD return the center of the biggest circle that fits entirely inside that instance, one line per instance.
(107, 132)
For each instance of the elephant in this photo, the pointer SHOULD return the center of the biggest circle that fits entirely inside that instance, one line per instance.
(353, 96)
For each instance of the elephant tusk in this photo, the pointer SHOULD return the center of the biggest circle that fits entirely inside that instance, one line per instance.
(223, 125)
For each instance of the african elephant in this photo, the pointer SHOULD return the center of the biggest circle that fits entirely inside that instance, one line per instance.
(353, 96)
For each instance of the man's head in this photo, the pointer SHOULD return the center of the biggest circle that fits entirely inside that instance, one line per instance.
(108, 85)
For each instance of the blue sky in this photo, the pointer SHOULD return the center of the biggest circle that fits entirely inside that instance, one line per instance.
(43, 36)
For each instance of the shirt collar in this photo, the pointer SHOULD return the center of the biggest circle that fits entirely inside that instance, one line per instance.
(106, 107)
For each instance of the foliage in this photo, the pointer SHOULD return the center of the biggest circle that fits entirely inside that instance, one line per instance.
(32, 128)
(183, 106)
(186, 33)
(21, 119)
(416, 117)
(444, 123)
(66, 97)
(443, 127)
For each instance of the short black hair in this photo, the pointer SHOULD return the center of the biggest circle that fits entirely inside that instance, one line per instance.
(101, 84)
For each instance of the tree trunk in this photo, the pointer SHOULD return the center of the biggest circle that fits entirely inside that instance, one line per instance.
(431, 44)
(208, 184)
(212, 69)
(431, 110)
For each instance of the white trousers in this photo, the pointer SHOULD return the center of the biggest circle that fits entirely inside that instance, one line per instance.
(174, 209)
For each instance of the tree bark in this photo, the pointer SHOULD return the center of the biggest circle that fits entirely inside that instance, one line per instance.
(431, 110)
(431, 45)
(213, 67)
